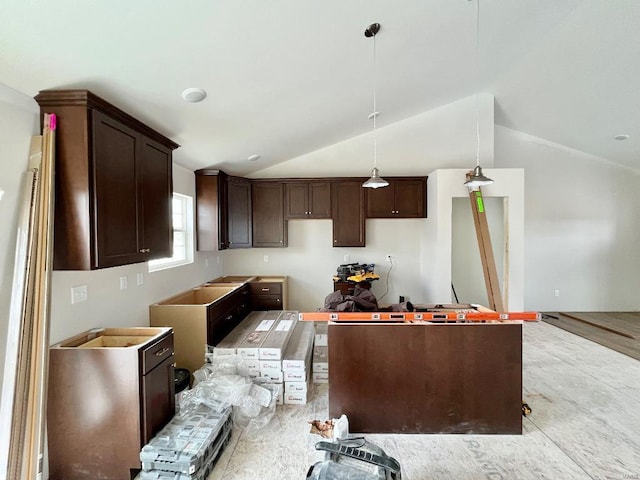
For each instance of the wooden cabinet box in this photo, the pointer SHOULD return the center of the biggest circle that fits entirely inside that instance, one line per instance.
(199, 317)
(266, 295)
(110, 391)
(347, 204)
(113, 184)
(269, 225)
(403, 198)
(308, 199)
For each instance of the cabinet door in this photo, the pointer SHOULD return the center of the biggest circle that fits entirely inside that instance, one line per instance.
(296, 200)
(410, 198)
(156, 191)
(319, 200)
(239, 211)
(115, 192)
(158, 399)
(347, 204)
(380, 202)
(269, 229)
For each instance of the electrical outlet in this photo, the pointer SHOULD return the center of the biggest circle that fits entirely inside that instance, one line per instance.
(78, 294)
(388, 258)
(346, 258)
(206, 263)
(123, 283)
(556, 293)
(266, 258)
(139, 279)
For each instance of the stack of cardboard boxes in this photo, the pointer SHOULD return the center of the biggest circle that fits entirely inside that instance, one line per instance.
(274, 345)
(296, 364)
(320, 354)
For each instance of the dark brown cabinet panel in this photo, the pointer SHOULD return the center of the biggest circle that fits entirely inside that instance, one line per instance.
(308, 199)
(269, 226)
(111, 391)
(212, 229)
(113, 184)
(403, 198)
(347, 204)
(239, 212)
(266, 295)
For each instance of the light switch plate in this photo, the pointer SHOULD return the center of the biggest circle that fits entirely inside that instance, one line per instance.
(139, 278)
(78, 294)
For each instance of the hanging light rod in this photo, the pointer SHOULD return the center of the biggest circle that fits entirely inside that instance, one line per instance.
(375, 181)
(475, 178)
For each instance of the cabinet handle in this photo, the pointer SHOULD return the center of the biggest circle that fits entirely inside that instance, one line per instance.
(160, 353)
(265, 289)
(145, 250)
(229, 317)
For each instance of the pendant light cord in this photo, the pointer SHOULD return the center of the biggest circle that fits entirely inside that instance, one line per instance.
(375, 113)
(477, 82)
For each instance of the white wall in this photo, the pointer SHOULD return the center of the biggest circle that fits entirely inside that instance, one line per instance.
(444, 137)
(581, 226)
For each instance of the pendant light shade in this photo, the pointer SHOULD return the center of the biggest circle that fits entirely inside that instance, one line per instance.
(375, 181)
(477, 178)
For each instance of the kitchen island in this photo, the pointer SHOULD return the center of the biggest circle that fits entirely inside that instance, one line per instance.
(390, 377)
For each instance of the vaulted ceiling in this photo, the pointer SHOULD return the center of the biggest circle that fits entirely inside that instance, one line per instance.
(287, 77)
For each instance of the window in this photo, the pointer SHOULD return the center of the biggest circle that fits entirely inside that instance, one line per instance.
(182, 206)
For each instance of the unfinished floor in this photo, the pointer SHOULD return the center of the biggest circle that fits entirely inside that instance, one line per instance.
(584, 425)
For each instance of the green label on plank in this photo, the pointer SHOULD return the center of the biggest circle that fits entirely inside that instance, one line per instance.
(480, 202)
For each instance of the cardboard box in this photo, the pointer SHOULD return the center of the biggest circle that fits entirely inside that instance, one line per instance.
(229, 344)
(296, 387)
(320, 367)
(322, 330)
(295, 398)
(320, 377)
(320, 354)
(295, 375)
(275, 344)
(250, 345)
(273, 376)
(297, 356)
(270, 366)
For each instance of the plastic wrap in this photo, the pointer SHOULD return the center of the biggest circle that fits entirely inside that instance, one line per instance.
(225, 381)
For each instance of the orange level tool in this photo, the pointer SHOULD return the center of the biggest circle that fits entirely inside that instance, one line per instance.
(463, 316)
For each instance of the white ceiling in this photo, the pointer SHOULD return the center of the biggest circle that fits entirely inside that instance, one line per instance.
(287, 77)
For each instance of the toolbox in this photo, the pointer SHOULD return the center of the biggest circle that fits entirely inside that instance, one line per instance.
(187, 445)
(356, 459)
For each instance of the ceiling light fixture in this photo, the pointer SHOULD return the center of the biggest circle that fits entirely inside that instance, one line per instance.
(253, 158)
(622, 136)
(476, 178)
(375, 181)
(194, 95)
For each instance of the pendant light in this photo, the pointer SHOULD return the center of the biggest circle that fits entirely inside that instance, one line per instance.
(375, 181)
(476, 178)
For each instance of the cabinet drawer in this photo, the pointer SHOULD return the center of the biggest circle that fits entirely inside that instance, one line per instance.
(156, 353)
(267, 302)
(266, 288)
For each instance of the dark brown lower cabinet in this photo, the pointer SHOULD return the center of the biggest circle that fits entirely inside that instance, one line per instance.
(427, 378)
(110, 392)
(266, 295)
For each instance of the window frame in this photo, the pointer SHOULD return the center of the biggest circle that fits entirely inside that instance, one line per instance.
(185, 203)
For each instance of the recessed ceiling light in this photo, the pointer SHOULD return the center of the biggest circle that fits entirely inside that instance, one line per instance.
(622, 136)
(253, 158)
(193, 95)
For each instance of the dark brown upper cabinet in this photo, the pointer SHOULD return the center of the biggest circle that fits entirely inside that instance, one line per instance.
(403, 198)
(211, 210)
(347, 204)
(307, 199)
(269, 226)
(239, 212)
(113, 184)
